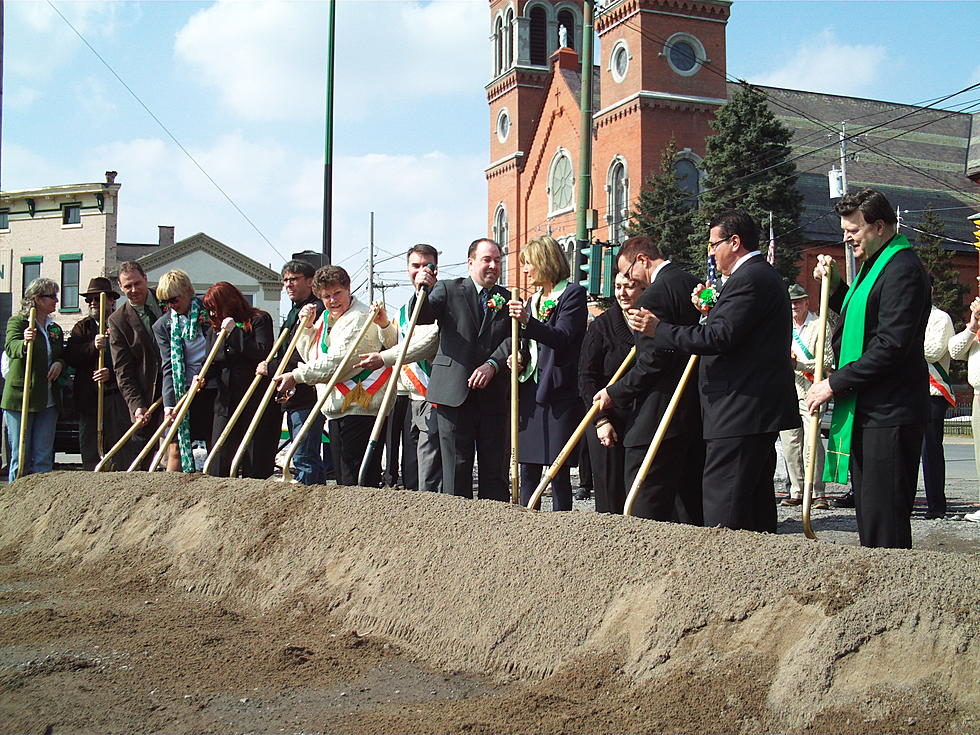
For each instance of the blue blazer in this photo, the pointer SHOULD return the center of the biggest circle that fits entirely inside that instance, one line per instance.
(559, 341)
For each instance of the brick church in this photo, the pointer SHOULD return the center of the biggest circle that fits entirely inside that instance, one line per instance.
(660, 73)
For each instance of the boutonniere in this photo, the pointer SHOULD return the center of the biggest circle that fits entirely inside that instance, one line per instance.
(54, 331)
(202, 319)
(496, 302)
(545, 310)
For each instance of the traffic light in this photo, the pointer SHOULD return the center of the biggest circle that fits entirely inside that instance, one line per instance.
(610, 254)
(589, 266)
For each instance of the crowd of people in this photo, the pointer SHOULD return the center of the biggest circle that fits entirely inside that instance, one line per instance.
(754, 343)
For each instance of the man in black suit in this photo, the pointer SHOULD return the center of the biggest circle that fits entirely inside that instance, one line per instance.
(646, 389)
(466, 387)
(746, 377)
(881, 386)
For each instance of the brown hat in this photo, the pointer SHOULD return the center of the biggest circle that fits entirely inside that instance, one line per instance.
(100, 285)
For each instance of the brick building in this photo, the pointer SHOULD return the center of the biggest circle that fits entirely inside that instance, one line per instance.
(661, 74)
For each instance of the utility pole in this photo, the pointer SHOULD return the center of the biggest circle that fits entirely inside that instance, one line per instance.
(584, 217)
(328, 140)
(850, 264)
(371, 264)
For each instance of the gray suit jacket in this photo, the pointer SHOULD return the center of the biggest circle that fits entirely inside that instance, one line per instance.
(467, 338)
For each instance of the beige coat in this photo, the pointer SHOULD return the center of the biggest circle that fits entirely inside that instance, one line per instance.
(318, 365)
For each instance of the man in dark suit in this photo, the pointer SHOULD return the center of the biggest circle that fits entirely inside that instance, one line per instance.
(881, 386)
(466, 387)
(672, 489)
(746, 377)
(135, 355)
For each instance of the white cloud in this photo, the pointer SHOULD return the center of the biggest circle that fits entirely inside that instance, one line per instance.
(20, 98)
(267, 59)
(434, 198)
(92, 96)
(45, 43)
(826, 64)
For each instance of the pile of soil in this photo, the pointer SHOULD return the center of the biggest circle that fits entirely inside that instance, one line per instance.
(437, 614)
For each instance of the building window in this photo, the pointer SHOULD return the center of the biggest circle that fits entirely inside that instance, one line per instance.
(618, 188)
(688, 178)
(566, 20)
(619, 61)
(501, 233)
(71, 214)
(503, 125)
(31, 272)
(69, 284)
(508, 55)
(561, 184)
(685, 54)
(538, 36)
(4, 219)
(498, 46)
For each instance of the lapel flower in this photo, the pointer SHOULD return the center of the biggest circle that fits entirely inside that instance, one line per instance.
(54, 331)
(545, 310)
(496, 301)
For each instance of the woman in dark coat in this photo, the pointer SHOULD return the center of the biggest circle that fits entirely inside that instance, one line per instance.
(247, 345)
(607, 342)
(553, 325)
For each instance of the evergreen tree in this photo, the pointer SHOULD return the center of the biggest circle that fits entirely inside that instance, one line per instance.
(947, 291)
(662, 212)
(748, 139)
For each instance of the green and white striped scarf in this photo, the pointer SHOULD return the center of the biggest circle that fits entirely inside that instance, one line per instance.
(178, 335)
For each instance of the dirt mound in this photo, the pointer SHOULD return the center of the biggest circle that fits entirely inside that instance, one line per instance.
(781, 633)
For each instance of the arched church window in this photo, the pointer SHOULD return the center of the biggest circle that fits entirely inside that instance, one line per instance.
(501, 233)
(566, 20)
(618, 200)
(688, 179)
(508, 55)
(561, 183)
(498, 46)
(538, 36)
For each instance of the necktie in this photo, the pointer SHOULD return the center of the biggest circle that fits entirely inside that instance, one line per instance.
(484, 295)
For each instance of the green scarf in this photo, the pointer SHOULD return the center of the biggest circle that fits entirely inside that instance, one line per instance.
(178, 335)
(852, 347)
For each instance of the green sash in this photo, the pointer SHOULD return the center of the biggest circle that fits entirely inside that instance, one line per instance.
(852, 347)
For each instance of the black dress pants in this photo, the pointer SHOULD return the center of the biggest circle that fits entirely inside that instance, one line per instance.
(738, 482)
(884, 468)
(608, 468)
(933, 458)
(401, 446)
(672, 489)
(349, 436)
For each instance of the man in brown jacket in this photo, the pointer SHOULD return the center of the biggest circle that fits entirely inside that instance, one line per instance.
(135, 355)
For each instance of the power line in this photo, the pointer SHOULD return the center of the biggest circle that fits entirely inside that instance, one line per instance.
(167, 131)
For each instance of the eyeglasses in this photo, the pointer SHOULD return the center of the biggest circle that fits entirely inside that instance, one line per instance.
(628, 275)
(171, 301)
(716, 243)
(290, 280)
(52, 296)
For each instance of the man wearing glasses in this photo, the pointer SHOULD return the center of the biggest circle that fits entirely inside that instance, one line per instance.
(674, 478)
(746, 376)
(297, 282)
(84, 345)
(134, 351)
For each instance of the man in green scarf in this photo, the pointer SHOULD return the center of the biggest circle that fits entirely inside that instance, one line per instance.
(881, 386)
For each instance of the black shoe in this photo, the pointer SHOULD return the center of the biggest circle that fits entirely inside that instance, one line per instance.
(844, 501)
(583, 493)
(930, 516)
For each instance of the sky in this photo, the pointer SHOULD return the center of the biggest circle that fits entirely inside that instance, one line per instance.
(240, 85)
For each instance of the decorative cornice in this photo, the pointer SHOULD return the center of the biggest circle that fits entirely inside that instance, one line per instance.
(677, 100)
(706, 10)
(214, 248)
(504, 164)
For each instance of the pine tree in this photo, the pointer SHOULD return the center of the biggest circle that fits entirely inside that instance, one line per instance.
(947, 291)
(662, 212)
(748, 139)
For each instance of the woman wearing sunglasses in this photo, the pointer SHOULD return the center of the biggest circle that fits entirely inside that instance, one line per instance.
(46, 367)
(182, 336)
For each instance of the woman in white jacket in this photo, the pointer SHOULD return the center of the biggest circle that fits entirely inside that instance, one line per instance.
(964, 346)
(353, 404)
